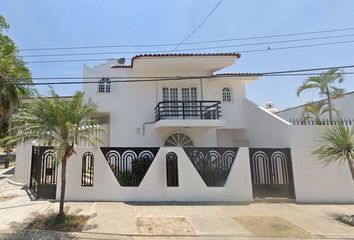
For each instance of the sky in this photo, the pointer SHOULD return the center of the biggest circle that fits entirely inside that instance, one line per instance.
(64, 23)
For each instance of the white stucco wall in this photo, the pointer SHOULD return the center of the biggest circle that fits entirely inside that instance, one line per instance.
(264, 129)
(130, 105)
(23, 162)
(313, 182)
(153, 187)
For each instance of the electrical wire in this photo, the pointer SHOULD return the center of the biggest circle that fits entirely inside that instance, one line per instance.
(243, 51)
(186, 50)
(189, 77)
(186, 43)
(163, 79)
(199, 26)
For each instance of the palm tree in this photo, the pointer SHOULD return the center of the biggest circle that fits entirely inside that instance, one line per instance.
(338, 147)
(13, 73)
(62, 121)
(324, 83)
(315, 110)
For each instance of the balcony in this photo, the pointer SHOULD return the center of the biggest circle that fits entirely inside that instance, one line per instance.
(188, 114)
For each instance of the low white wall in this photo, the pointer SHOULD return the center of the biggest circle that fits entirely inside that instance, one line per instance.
(23, 162)
(238, 186)
(264, 129)
(313, 182)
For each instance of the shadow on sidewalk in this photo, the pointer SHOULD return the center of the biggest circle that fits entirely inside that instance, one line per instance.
(28, 230)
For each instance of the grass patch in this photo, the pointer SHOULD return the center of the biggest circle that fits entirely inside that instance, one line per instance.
(70, 223)
(271, 227)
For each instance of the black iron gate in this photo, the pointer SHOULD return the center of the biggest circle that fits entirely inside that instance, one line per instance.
(43, 173)
(271, 172)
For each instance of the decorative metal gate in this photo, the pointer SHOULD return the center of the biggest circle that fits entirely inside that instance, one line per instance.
(43, 173)
(271, 172)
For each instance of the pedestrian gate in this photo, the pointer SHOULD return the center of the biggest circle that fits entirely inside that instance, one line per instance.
(43, 173)
(271, 172)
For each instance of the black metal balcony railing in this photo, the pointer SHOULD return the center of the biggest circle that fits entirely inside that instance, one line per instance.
(188, 110)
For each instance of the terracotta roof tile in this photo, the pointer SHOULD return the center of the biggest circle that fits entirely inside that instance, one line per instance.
(176, 55)
(237, 74)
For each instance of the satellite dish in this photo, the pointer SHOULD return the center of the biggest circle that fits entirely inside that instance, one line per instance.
(121, 60)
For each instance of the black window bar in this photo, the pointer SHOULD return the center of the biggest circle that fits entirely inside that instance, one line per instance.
(172, 169)
(87, 170)
(188, 110)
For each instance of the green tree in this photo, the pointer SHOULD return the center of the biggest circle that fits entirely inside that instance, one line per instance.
(13, 73)
(337, 147)
(62, 121)
(315, 110)
(325, 84)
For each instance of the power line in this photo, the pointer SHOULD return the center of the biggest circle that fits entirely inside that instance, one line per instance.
(186, 43)
(72, 60)
(159, 79)
(189, 77)
(243, 51)
(191, 49)
(201, 23)
(309, 69)
(299, 46)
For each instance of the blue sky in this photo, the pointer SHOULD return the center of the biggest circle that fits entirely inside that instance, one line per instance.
(59, 23)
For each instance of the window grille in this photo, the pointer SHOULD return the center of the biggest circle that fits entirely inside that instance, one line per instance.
(172, 169)
(226, 94)
(87, 170)
(104, 85)
(178, 139)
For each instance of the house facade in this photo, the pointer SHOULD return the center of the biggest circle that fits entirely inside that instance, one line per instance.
(199, 105)
(177, 130)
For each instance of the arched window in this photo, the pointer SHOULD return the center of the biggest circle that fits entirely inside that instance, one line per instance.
(178, 139)
(172, 169)
(104, 85)
(87, 170)
(226, 94)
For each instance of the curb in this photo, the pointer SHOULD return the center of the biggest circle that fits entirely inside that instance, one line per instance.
(9, 180)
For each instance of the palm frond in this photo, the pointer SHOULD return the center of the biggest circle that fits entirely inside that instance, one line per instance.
(63, 121)
(337, 145)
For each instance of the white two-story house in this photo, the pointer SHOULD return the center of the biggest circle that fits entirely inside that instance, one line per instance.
(171, 100)
(177, 130)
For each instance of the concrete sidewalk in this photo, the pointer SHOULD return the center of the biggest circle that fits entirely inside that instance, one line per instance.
(118, 220)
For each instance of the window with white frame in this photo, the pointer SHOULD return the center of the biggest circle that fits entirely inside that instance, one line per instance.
(104, 85)
(226, 94)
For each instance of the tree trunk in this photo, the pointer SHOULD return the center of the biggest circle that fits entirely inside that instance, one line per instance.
(351, 167)
(7, 157)
(329, 101)
(61, 213)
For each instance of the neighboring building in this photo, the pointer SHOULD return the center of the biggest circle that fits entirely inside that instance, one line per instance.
(343, 104)
(186, 133)
(269, 106)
